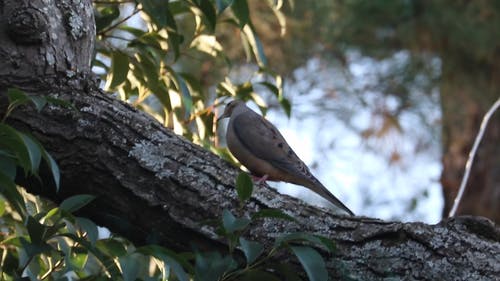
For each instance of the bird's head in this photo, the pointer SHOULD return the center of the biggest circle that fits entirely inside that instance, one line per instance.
(230, 108)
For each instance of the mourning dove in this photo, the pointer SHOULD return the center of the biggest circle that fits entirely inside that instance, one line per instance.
(261, 148)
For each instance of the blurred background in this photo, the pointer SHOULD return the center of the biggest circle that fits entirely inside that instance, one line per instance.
(382, 99)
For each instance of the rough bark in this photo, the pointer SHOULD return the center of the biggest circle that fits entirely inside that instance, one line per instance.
(152, 185)
(41, 38)
(165, 187)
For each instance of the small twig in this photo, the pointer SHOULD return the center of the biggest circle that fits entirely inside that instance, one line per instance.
(119, 22)
(472, 154)
(204, 111)
(52, 269)
(248, 267)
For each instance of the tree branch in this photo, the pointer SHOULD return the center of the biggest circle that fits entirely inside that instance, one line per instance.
(152, 185)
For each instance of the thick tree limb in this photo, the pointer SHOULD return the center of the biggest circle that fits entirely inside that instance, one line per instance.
(152, 185)
(165, 187)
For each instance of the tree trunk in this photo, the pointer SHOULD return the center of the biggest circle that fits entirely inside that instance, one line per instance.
(467, 92)
(152, 185)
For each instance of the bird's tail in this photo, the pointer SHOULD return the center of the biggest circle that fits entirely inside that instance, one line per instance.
(321, 190)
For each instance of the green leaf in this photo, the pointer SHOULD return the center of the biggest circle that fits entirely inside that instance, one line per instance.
(13, 241)
(36, 230)
(244, 186)
(272, 213)
(171, 259)
(17, 96)
(252, 250)
(175, 40)
(105, 251)
(39, 102)
(211, 266)
(244, 90)
(33, 249)
(271, 87)
(312, 262)
(130, 266)
(77, 261)
(11, 141)
(179, 7)
(285, 103)
(54, 168)
(3, 203)
(119, 69)
(150, 68)
(34, 151)
(150, 42)
(9, 191)
(89, 227)
(241, 12)
(195, 86)
(255, 46)
(54, 229)
(51, 213)
(231, 223)
(209, 11)
(327, 242)
(159, 12)
(176, 267)
(8, 166)
(187, 100)
(76, 202)
(111, 247)
(132, 30)
(105, 16)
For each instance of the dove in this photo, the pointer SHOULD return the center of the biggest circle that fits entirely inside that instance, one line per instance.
(261, 148)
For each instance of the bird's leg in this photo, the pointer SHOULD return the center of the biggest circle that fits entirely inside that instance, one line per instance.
(259, 180)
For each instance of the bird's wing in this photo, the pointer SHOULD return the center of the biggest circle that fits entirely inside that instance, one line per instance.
(264, 141)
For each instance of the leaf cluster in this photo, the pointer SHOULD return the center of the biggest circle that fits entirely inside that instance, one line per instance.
(21, 150)
(259, 259)
(171, 62)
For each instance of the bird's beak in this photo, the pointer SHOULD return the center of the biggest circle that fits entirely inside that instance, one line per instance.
(224, 115)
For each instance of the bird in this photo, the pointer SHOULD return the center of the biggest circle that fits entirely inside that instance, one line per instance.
(261, 148)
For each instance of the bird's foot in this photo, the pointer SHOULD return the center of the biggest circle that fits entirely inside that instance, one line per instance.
(259, 180)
